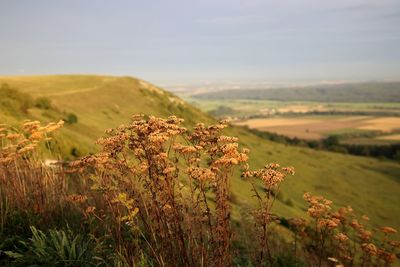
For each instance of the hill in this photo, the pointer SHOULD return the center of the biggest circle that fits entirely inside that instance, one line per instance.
(369, 185)
(352, 92)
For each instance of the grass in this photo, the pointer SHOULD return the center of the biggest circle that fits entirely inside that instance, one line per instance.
(159, 194)
(101, 102)
(170, 217)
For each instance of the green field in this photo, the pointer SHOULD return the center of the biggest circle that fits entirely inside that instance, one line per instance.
(247, 107)
(369, 185)
(367, 92)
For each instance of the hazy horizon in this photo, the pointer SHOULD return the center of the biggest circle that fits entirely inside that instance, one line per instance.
(204, 43)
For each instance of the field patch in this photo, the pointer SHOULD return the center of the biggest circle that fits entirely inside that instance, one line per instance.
(394, 137)
(318, 127)
(386, 124)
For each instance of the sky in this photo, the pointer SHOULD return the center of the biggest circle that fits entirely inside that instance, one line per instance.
(183, 42)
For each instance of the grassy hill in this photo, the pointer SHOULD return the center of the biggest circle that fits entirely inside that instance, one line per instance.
(369, 185)
(352, 92)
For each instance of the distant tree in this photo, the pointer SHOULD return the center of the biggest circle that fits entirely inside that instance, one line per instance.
(43, 103)
(74, 152)
(71, 118)
(396, 156)
(221, 111)
(331, 141)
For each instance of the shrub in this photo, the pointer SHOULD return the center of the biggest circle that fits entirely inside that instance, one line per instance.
(43, 103)
(13, 101)
(71, 118)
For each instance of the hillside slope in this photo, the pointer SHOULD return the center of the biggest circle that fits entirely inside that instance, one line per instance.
(370, 186)
(99, 102)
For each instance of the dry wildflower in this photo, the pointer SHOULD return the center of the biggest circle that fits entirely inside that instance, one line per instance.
(364, 235)
(76, 198)
(167, 207)
(395, 244)
(331, 259)
(36, 136)
(328, 223)
(14, 136)
(341, 237)
(365, 217)
(270, 175)
(355, 224)
(51, 127)
(169, 170)
(227, 139)
(369, 248)
(386, 256)
(289, 170)
(388, 230)
(201, 174)
(27, 148)
(90, 209)
(31, 126)
(319, 206)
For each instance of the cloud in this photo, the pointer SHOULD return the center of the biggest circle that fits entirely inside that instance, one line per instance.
(233, 19)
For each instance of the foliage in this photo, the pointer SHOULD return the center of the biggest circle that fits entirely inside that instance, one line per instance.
(71, 118)
(13, 101)
(168, 183)
(222, 111)
(58, 248)
(159, 194)
(43, 103)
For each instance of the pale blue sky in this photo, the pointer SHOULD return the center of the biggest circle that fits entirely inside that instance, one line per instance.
(196, 41)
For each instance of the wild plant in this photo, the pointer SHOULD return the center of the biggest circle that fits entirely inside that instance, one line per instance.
(158, 178)
(271, 177)
(59, 248)
(159, 194)
(26, 184)
(340, 238)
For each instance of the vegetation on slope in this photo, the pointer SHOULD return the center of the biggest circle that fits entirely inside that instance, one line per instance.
(159, 194)
(102, 102)
(98, 102)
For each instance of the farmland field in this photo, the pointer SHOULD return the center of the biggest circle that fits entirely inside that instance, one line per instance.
(318, 127)
(356, 123)
(247, 107)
